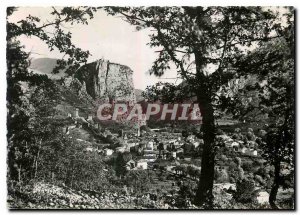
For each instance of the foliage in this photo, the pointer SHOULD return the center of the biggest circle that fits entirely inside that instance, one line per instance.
(31, 98)
(221, 176)
(65, 161)
(185, 196)
(120, 163)
(139, 181)
(59, 38)
(193, 38)
(274, 66)
(244, 191)
(279, 145)
(247, 166)
(164, 92)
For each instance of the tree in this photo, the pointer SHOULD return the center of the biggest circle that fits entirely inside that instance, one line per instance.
(160, 148)
(273, 64)
(165, 92)
(139, 180)
(185, 133)
(185, 193)
(244, 191)
(29, 121)
(279, 148)
(59, 38)
(193, 38)
(121, 161)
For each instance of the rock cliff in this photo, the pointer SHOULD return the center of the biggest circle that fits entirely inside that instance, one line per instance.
(106, 81)
(98, 81)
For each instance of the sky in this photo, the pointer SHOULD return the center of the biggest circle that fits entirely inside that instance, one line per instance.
(105, 37)
(110, 38)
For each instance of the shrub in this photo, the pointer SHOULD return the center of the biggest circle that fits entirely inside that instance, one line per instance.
(250, 130)
(262, 133)
(185, 196)
(220, 132)
(244, 191)
(145, 128)
(247, 165)
(139, 180)
(259, 141)
(237, 130)
(258, 163)
(224, 158)
(185, 133)
(232, 180)
(250, 136)
(260, 180)
(121, 160)
(221, 176)
(241, 173)
(232, 165)
(262, 172)
(238, 161)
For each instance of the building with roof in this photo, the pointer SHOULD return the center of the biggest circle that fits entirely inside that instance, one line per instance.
(141, 164)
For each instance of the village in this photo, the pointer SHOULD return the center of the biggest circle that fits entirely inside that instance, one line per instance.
(176, 153)
(158, 143)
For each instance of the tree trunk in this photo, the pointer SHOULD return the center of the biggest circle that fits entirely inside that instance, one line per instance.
(204, 196)
(275, 186)
(37, 158)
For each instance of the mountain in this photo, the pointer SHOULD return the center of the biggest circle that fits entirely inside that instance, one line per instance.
(94, 83)
(107, 81)
(45, 66)
(101, 79)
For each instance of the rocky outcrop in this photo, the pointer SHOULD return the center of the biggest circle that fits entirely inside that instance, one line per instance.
(107, 81)
(97, 81)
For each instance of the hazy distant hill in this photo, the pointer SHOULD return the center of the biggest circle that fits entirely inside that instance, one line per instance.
(138, 95)
(45, 66)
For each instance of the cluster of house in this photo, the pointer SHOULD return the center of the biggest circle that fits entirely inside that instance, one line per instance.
(146, 149)
(153, 146)
(239, 145)
(149, 148)
(177, 147)
(137, 165)
(157, 144)
(79, 121)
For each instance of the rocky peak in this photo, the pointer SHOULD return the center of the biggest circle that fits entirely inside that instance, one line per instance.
(94, 82)
(104, 80)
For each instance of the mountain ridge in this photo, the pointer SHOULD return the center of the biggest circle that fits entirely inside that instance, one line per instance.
(46, 66)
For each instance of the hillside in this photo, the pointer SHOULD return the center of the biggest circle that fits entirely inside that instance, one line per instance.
(45, 66)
